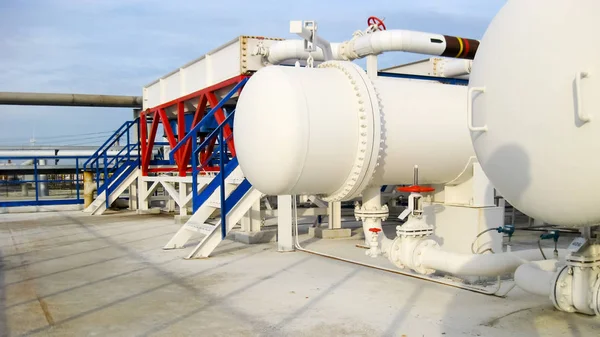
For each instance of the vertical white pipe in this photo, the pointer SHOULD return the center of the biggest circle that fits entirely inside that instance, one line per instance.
(284, 223)
(371, 198)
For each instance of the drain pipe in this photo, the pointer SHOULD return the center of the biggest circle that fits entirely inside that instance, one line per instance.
(430, 256)
(299, 247)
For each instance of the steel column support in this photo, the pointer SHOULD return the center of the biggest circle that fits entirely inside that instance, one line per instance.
(284, 223)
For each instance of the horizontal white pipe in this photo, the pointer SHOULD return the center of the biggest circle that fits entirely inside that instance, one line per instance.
(394, 40)
(536, 277)
(294, 50)
(456, 68)
(480, 264)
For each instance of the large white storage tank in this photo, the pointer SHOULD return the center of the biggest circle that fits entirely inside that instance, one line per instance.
(333, 131)
(539, 114)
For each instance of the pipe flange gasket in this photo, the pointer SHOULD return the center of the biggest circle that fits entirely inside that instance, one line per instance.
(416, 263)
(369, 131)
(363, 214)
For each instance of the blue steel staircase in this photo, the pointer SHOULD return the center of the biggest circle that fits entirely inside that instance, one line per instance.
(222, 203)
(118, 171)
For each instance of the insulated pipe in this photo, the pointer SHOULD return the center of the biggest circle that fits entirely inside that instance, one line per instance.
(478, 264)
(537, 277)
(408, 41)
(51, 99)
(286, 50)
(456, 68)
(338, 131)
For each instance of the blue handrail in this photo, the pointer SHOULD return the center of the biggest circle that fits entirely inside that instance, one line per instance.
(214, 132)
(112, 163)
(121, 131)
(205, 119)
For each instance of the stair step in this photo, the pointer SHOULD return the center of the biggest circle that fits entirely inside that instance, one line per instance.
(205, 228)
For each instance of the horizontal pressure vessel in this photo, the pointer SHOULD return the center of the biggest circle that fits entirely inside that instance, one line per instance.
(536, 108)
(332, 131)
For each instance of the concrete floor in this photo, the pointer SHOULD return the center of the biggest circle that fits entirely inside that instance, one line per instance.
(69, 274)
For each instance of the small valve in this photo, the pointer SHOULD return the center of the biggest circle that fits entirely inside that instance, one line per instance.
(374, 243)
(507, 229)
(414, 206)
(554, 235)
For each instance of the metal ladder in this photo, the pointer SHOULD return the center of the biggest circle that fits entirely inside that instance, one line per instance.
(239, 198)
(119, 171)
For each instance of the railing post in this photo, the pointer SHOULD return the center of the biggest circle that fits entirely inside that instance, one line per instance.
(106, 191)
(194, 175)
(128, 143)
(77, 177)
(222, 174)
(35, 179)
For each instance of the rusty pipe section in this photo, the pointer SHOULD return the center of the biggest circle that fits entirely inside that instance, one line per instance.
(51, 99)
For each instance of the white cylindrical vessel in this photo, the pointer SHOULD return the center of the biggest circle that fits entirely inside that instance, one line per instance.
(332, 131)
(536, 108)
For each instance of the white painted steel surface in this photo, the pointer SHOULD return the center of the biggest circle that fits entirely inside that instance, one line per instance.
(323, 146)
(539, 151)
(232, 59)
(435, 66)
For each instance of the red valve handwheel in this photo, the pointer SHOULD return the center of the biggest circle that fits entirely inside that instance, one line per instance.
(375, 230)
(375, 20)
(416, 189)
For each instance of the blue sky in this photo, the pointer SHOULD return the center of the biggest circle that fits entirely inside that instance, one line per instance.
(117, 46)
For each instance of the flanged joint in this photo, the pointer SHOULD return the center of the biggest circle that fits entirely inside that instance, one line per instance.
(362, 214)
(561, 295)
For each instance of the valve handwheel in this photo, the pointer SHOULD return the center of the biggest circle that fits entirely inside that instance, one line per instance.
(416, 189)
(373, 20)
(375, 230)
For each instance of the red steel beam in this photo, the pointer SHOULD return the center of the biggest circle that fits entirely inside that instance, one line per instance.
(206, 95)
